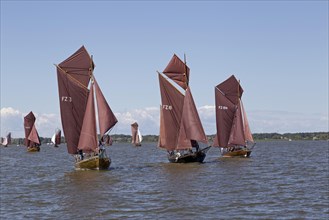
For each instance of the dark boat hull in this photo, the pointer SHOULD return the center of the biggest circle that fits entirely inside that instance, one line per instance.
(198, 156)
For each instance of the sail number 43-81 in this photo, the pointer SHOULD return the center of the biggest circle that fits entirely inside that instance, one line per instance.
(66, 99)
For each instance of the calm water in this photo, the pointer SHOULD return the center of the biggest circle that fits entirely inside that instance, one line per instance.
(282, 180)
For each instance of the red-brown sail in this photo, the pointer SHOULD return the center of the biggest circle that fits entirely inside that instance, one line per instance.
(247, 131)
(106, 118)
(34, 137)
(134, 136)
(178, 71)
(73, 77)
(88, 136)
(171, 112)
(191, 127)
(225, 110)
(29, 128)
(237, 130)
(231, 89)
(58, 137)
(79, 66)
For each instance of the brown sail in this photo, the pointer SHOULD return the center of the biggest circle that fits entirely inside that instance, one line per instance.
(178, 71)
(106, 118)
(58, 137)
(232, 89)
(171, 113)
(134, 136)
(88, 136)
(72, 75)
(31, 134)
(191, 127)
(79, 66)
(225, 110)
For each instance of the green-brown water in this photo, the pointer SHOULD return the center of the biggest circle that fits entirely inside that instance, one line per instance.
(281, 180)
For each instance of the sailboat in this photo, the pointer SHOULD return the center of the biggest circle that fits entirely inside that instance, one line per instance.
(136, 136)
(77, 87)
(56, 138)
(180, 125)
(233, 132)
(32, 139)
(7, 140)
(107, 140)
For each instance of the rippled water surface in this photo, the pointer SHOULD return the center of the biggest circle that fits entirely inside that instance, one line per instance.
(281, 180)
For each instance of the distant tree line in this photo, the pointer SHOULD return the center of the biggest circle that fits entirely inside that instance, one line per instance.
(122, 138)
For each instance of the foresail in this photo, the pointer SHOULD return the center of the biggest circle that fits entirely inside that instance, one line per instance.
(88, 136)
(53, 139)
(140, 137)
(171, 113)
(106, 118)
(247, 132)
(73, 99)
(225, 110)
(34, 136)
(237, 131)
(191, 127)
(178, 71)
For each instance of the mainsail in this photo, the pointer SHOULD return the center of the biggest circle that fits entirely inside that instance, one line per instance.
(31, 135)
(73, 77)
(179, 120)
(231, 119)
(77, 103)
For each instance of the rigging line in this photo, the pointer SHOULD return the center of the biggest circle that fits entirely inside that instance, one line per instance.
(161, 74)
(72, 78)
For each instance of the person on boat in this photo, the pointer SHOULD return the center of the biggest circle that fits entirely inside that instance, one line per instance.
(81, 154)
(195, 144)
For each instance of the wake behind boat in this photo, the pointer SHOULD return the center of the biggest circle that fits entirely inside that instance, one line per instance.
(180, 125)
(77, 87)
(233, 132)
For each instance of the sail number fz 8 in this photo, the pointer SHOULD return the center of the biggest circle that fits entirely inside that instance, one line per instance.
(167, 107)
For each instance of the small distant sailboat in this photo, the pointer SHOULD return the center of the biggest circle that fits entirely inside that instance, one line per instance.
(107, 140)
(136, 136)
(180, 125)
(233, 133)
(77, 105)
(7, 140)
(32, 139)
(56, 138)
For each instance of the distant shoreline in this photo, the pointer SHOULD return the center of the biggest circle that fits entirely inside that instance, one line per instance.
(122, 138)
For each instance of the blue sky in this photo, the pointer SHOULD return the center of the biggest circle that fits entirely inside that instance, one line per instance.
(278, 49)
